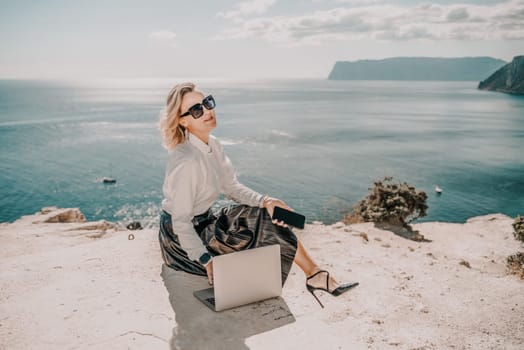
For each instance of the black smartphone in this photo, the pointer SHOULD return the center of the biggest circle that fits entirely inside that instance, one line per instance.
(289, 217)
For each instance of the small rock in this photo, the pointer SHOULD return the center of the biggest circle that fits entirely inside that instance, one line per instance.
(465, 263)
(96, 234)
(101, 225)
(61, 215)
(47, 210)
(135, 225)
(339, 224)
(363, 235)
(386, 245)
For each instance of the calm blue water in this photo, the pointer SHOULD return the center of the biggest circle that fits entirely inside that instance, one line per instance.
(316, 144)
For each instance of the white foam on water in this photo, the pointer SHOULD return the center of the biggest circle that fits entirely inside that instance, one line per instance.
(230, 142)
(282, 133)
(146, 213)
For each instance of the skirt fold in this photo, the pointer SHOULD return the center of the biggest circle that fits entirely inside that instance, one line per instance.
(235, 227)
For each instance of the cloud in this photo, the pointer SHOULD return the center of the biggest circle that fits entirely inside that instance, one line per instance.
(386, 21)
(457, 15)
(164, 36)
(358, 2)
(352, 2)
(247, 8)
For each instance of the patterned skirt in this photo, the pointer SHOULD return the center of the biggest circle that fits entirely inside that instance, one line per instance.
(235, 227)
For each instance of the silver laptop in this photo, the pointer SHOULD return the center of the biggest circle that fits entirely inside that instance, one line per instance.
(243, 277)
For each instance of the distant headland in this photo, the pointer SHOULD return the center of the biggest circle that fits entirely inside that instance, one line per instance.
(417, 68)
(508, 79)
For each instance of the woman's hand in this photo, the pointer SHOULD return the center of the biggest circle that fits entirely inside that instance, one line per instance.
(270, 204)
(209, 269)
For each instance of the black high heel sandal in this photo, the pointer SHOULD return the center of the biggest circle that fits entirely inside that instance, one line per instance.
(336, 292)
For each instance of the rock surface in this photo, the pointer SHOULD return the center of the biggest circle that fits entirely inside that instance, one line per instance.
(508, 79)
(80, 285)
(53, 214)
(61, 289)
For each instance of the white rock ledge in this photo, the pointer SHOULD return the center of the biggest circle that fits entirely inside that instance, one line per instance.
(85, 285)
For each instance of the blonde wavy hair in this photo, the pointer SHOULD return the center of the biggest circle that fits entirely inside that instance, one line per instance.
(171, 130)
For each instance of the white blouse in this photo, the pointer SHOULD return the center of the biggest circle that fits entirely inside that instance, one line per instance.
(196, 174)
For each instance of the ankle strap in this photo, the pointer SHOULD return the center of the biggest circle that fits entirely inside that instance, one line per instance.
(316, 273)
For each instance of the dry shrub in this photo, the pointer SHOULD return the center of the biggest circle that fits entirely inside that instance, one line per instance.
(518, 226)
(353, 218)
(391, 203)
(515, 264)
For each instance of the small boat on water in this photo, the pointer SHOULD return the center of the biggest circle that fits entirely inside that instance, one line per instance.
(438, 189)
(108, 180)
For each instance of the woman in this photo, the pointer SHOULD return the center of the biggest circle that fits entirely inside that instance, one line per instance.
(197, 172)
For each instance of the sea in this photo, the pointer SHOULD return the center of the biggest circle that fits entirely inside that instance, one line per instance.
(318, 145)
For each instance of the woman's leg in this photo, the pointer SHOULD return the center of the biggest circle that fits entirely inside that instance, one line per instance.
(304, 260)
(309, 266)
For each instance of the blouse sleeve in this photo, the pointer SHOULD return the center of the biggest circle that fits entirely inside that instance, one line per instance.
(181, 189)
(230, 185)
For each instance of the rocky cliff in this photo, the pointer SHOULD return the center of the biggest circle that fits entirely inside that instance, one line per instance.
(508, 79)
(70, 283)
(418, 68)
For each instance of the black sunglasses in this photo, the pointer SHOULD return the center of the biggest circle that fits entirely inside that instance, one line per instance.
(197, 110)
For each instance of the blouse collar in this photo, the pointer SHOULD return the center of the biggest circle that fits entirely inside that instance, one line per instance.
(201, 145)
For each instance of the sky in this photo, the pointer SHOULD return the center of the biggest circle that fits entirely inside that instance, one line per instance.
(64, 39)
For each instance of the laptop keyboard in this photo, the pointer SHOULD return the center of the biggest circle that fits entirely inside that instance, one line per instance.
(211, 300)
